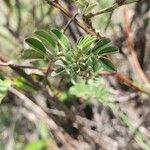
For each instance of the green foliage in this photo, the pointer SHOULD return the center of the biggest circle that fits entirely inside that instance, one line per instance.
(100, 45)
(46, 38)
(85, 42)
(57, 72)
(95, 90)
(36, 44)
(32, 54)
(107, 64)
(86, 58)
(43, 130)
(86, 6)
(36, 145)
(21, 83)
(92, 90)
(62, 39)
(80, 63)
(39, 48)
(4, 86)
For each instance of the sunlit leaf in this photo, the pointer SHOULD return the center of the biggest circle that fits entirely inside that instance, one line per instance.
(85, 42)
(21, 83)
(43, 130)
(59, 63)
(78, 90)
(36, 145)
(45, 37)
(62, 39)
(100, 44)
(4, 86)
(57, 72)
(90, 90)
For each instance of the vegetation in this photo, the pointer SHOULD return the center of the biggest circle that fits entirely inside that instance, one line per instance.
(72, 76)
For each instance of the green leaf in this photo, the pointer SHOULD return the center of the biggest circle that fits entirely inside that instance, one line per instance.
(108, 50)
(91, 89)
(99, 45)
(57, 72)
(66, 61)
(79, 89)
(36, 44)
(89, 63)
(62, 39)
(45, 37)
(32, 54)
(21, 83)
(94, 64)
(107, 64)
(43, 130)
(60, 63)
(2, 77)
(4, 86)
(85, 42)
(36, 145)
(83, 66)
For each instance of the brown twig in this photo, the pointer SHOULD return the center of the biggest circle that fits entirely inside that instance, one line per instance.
(127, 81)
(108, 21)
(38, 111)
(71, 19)
(111, 8)
(130, 83)
(10, 64)
(81, 24)
(132, 50)
(21, 72)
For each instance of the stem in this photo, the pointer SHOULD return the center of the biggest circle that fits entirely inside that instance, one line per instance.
(81, 24)
(111, 8)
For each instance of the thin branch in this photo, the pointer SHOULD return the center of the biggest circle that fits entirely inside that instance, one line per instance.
(71, 19)
(111, 8)
(38, 111)
(81, 24)
(10, 64)
(127, 81)
(22, 73)
(18, 5)
(132, 50)
(109, 21)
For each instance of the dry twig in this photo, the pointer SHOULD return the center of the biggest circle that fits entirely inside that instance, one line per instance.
(132, 50)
